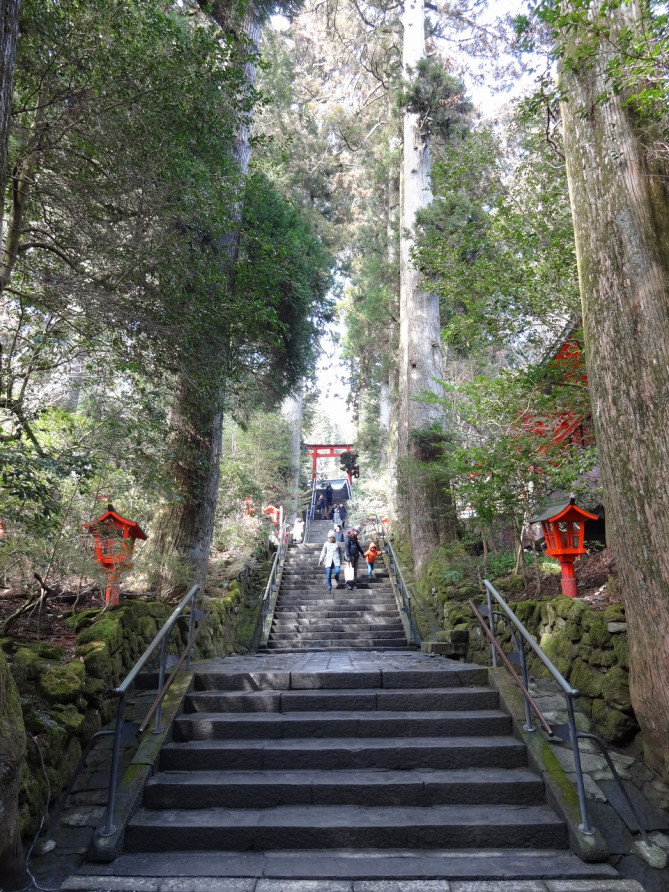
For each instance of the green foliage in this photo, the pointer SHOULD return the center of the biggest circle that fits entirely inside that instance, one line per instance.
(438, 98)
(506, 461)
(497, 242)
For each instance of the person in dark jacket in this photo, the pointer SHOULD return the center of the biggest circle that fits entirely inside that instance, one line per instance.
(353, 551)
(328, 496)
(320, 507)
(342, 515)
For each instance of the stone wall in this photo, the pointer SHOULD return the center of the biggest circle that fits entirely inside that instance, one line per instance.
(65, 702)
(589, 648)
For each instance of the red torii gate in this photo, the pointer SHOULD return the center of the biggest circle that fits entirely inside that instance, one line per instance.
(317, 451)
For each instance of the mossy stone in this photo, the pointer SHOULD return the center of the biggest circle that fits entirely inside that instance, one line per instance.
(98, 662)
(83, 619)
(26, 667)
(47, 651)
(572, 630)
(615, 613)
(577, 610)
(609, 659)
(587, 680)
(63, 684)
(90, 724)
(557, 648)
(584, 651)
(69, 717)
(95, 689)
(616, 689)
(613, 725)
(528, 612)
(106, 630)
(599, 634)
(563, 606)
(596, 657)
(621, 651)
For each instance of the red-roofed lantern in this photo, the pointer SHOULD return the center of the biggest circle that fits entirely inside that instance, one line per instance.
(564, 530)
(114, 543)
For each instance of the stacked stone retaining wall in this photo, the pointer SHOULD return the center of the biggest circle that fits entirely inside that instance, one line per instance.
(65, 702)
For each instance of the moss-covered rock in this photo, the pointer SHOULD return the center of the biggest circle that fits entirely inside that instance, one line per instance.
(616, 689)
(572, 630)
(69, 717)
(528, 612)
(586, 679)
(613, 725)
(557, 648)
(98, 662)
(563, 607)
(599, 634)
(577, 610)
(47, 651)
(63, 684)
(83, 619)
(26, 667)
(621, 651)
(106, 630)
(615, 613)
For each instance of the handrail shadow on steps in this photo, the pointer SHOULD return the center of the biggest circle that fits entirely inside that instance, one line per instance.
(569, 732)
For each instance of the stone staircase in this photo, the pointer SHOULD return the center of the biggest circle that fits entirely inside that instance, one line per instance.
(377, 771)
(309, 617)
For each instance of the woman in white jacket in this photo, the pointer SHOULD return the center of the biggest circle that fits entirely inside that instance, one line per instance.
(331, 557)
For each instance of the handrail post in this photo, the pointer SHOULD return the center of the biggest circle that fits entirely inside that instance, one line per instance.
(191, 624)
(584, 826)
(161, 679)
(109, 829)
(491, 623)
(526, 681)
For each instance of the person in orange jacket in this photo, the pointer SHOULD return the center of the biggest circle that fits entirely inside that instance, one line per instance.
(370, 556)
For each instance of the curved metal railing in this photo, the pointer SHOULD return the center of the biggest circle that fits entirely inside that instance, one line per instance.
(520, 637)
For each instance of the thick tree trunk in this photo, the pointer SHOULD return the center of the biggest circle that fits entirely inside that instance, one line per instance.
(421, 366)
(12, 733)
(12, 754)
(292, 411)
(186, 530)
(619, 188)
(9, 32)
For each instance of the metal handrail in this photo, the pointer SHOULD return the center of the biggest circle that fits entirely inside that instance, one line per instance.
(311, 509)
(272, 588)
(570, 693)
(406, 594)
(122, 692)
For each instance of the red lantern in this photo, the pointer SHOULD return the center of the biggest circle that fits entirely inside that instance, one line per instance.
(114, 543)
(564, 530)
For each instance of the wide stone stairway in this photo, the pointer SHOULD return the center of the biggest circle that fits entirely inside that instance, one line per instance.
(345, 772)
(309, 617)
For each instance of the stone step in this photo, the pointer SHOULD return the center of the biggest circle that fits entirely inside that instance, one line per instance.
(455, 675)
(391, 631)
(267, 789)
(363, 870)
(322, 624)
(403, 753)
(310, 609)
(272, 726)
(290, 645)
(299, 701)
(337, 826)
(327, 645)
